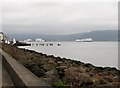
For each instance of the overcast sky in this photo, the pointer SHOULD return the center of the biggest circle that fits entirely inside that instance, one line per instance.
(58, 17)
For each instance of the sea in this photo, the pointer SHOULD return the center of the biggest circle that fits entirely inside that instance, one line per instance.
(103, 54)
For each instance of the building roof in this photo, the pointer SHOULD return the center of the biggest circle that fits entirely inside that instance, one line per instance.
(1, 33)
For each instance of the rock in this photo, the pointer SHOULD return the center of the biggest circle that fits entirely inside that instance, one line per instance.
(50, 56)
(98, 80)
(88, 65)
(74, 77)
(82, 69)
(49, 67)
(33, 67)
(59, 63)
(61, 70)
(30, 65)
(52, 76)
(51, 62)
(38, 71)
(52, 73)
(58, 58)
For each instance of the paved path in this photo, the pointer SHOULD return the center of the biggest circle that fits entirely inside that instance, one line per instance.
(4, 76)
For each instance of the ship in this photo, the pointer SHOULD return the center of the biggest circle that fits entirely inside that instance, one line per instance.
(84, 40)
(40, 40)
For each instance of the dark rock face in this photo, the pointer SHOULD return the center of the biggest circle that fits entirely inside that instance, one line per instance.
(69, 72)
(33, 67)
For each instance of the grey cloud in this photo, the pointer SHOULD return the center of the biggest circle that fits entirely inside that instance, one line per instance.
(59, 17)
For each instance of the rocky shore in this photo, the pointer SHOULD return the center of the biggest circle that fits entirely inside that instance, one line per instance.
(62, 72)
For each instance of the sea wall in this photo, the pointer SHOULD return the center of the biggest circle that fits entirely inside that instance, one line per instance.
(21, 76)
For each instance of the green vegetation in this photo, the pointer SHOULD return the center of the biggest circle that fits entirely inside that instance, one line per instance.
(59, 84)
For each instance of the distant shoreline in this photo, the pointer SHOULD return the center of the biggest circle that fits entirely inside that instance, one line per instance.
(75, 41)
(96, 35)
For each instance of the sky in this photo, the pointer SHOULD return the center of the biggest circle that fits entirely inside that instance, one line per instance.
(58, 16)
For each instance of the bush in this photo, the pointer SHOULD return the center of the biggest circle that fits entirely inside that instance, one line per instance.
(59, 84)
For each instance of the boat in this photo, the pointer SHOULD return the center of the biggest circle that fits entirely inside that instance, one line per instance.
(28, 40)
(84, 40)
(40, 40)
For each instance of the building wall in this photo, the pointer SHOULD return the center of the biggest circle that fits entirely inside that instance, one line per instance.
(2, 36)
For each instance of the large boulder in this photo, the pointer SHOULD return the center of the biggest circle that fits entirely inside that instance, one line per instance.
(74, 78)
(52, 76)
(61, 71)
(98, 80)
(50, 65)
(34, 68)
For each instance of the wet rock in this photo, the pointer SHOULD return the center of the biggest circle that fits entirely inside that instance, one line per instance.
(50, 56)
(58, 58)
(88, 65)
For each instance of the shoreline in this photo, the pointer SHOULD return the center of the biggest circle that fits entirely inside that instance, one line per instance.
(85, 52)
(70, 58)
(52, 69)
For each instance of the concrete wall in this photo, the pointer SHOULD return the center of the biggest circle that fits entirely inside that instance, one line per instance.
(21, 76)
(0, 70)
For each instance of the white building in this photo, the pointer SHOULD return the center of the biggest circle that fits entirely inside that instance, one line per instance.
(2, 36)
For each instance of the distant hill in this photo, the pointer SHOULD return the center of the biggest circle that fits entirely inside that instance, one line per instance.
(105, 35)
(101, 35)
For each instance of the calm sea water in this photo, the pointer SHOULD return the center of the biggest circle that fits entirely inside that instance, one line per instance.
(103, 54)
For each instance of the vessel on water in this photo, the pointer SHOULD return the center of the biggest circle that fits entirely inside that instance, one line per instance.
(84, 40)
(28, 40)
(39, 40)
(36, 40)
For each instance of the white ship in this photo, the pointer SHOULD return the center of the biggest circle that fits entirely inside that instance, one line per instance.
(28, 40)
(84, 40)
(40, 40)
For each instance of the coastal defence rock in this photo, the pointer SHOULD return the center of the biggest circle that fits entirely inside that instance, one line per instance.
(52, 76)
(74, 77)
(70, 72)
(97, 80)
(33, 67)
(48, 67)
